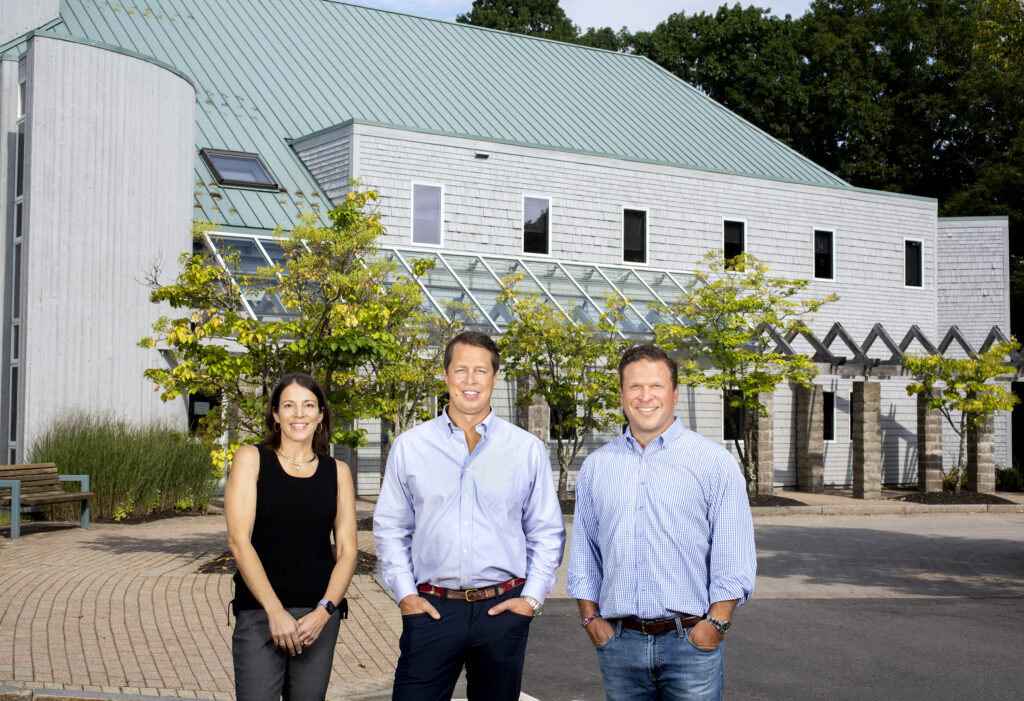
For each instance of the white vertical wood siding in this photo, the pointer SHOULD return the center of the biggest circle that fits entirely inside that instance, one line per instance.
(20, 16)
(110, 160)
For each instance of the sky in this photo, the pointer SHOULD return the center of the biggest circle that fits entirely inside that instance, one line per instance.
(641, 15)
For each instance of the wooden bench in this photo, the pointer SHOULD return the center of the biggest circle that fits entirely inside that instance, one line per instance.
(34, 485)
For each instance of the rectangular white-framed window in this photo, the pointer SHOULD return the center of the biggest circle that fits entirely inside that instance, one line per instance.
(634, 235)
(824, 256)
(536, 224)
(733, 418)
(22, 98)
(913, 263)
(828, 410)
(734, 238)
(427, 214)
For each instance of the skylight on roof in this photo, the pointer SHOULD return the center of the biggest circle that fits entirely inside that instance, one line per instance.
(238, 169)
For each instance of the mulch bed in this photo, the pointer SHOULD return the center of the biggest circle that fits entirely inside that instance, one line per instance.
(366, 563)
(964, 497)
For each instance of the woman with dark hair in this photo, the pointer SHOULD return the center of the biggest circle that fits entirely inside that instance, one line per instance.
(283, 501)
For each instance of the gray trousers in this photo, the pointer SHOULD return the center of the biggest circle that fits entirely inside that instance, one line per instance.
(266, 672)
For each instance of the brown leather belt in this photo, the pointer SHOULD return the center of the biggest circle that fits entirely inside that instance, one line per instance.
(654, 627)
(471, 594)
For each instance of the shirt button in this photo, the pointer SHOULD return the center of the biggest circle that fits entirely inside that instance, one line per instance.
(465, 550)
(465, 523)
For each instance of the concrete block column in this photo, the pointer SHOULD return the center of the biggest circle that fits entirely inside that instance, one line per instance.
(867, 440)
(981, 464)
(762, 452)
(810, 439)
(532, 417)
(929, 444)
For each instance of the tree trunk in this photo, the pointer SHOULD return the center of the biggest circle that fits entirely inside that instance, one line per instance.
(961, 459)
(387, 437)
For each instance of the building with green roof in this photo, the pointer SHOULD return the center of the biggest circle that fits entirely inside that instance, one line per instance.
(588, 169)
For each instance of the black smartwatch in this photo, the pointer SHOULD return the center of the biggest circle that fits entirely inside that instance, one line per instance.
(329, 605)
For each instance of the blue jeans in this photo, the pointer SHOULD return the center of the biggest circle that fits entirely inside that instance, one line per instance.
(665, 667)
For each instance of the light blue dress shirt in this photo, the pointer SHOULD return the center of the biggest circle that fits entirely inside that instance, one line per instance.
(478, 519)
(663, 531)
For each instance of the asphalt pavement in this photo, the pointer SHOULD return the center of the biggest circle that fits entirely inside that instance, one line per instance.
(849, 607)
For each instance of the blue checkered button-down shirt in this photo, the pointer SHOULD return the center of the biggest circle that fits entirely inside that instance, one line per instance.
(662, 531)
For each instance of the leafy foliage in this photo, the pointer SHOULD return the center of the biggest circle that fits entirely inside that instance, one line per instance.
(336, 320)
(964, 390)
(725, 342)
(567, 363)
(539, 18)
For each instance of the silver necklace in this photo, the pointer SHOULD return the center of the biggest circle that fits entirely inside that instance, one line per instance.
(298, 465)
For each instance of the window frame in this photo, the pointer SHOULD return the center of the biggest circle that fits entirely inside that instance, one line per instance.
(208, 154)
(831, 254)
(744, 247)
(647, 237)
(412, 215)
(725, 421)
(522, 223)
(920, 243)
(825, 414)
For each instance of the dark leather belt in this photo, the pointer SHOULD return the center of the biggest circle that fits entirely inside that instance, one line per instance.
(661, 625)
(471, 594)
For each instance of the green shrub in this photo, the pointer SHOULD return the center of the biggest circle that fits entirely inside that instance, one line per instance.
(949, 481)
(134, 471)
(1009, 479)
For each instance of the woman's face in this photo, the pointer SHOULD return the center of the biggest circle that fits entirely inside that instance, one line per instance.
(299, 413)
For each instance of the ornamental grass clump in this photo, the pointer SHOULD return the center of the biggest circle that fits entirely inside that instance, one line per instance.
(134, 470)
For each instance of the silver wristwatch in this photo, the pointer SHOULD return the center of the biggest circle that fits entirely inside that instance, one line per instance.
(534, 604)
(722, 626)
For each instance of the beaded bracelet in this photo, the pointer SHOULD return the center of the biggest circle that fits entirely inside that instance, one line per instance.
(588, 619)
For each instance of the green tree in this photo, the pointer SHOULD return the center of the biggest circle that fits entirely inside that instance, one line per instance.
(742, 57)
(539, 18)
(968, 390)
(726, 343)
(333, 314)
(567, 363)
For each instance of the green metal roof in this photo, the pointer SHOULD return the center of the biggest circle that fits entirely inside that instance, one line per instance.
(270, 71)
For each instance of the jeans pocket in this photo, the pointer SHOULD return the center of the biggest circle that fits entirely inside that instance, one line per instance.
(686, 637)
(605, 644)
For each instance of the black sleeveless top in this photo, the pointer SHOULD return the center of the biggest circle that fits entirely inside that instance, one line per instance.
(292, 532)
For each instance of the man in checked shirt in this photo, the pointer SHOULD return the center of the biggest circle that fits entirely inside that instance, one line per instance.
(662, 545)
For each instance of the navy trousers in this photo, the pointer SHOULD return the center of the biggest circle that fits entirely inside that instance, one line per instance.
(433, 653)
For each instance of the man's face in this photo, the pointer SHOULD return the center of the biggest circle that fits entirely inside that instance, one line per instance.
(648, 399)
(470, 380)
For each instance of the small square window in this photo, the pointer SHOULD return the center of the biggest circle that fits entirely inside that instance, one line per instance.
(913, 267)
(536, 224)
(427, 204)
(234, 168)
(828, 409)
(733, 418)
(733, 239)
(823, 255)
(634, 236)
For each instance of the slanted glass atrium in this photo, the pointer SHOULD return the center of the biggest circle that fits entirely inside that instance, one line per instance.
(471, 284)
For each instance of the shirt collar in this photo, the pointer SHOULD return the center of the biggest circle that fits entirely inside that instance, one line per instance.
(483, 428)
(665, 438)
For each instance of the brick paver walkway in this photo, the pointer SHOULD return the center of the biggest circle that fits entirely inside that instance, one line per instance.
(121, 609)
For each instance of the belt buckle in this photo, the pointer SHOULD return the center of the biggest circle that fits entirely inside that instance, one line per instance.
(643, 627)
(468, 591)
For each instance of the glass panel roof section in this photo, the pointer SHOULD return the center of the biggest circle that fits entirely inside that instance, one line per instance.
(449, 293)
(486, 288)
(639, 295)
(591, 280)
(471, 284)
(250, 259)
(569, 295)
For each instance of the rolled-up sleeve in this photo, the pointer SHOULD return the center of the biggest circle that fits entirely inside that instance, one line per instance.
(585, 573)
(732, 559)
(543, 527)
(393, 524)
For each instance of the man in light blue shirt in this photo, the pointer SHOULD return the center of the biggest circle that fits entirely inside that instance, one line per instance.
(662, 545)
(468, 532)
